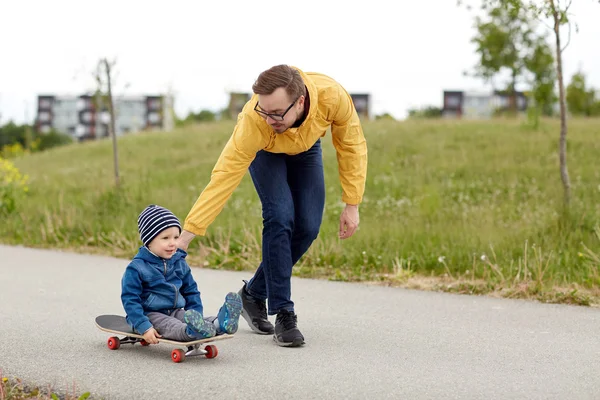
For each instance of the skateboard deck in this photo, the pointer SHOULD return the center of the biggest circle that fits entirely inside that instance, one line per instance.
(118, 324)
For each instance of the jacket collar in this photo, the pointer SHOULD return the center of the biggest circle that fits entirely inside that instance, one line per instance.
(145, 254)
(312, 92)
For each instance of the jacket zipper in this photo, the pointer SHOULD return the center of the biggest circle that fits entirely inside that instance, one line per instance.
(174, 287)
(176, 296)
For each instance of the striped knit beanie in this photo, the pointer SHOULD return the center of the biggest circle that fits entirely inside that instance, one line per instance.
(153, 220)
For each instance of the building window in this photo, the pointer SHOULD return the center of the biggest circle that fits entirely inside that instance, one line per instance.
(153, 118)
(45, 103)
(86, 117)
(154, 104)
(82, 104)
(82, 130)
(453, 101)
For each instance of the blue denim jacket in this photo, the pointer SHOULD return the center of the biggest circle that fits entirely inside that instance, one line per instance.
(151, 283)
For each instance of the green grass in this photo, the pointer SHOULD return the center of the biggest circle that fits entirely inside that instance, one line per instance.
(15, 389)
(469, 207)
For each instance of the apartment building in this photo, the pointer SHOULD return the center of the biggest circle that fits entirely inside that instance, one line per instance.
(86, 116)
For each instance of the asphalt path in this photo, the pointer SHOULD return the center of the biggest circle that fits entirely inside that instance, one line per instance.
(362, 341)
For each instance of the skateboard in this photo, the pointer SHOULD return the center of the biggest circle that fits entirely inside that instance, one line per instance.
(118, 324)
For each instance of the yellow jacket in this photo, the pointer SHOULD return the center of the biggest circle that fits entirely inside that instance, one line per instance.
(330, 105)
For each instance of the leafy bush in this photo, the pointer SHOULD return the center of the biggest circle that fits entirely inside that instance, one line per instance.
(17, 140)
(12, 150)
(13, 185)
(53, 139)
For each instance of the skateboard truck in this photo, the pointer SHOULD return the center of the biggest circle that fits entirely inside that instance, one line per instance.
(177, 355)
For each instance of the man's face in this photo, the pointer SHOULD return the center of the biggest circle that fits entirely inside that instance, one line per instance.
(272, 106)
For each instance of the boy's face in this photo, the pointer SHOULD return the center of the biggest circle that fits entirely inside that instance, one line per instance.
(165, 243)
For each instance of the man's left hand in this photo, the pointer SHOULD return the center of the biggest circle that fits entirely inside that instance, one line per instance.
(185, 239)
(349, 221)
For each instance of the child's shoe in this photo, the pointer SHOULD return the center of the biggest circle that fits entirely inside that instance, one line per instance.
(197, 327)
(229, 314)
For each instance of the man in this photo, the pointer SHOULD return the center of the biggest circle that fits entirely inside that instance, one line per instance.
(277, 137)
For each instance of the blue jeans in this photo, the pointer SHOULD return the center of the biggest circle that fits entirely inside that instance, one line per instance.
(292, 192)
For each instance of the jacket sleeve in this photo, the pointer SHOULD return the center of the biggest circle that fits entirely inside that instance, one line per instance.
(351, 148)
(236, 157)
(189, 290)
(131, 289)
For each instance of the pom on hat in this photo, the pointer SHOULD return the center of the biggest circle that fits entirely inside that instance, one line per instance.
(153, 220)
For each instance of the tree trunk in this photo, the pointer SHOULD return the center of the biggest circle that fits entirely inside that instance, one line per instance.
(564, 173)
(513, 106)
(113, 132)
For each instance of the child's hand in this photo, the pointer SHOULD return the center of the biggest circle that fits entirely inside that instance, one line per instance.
(151, 336)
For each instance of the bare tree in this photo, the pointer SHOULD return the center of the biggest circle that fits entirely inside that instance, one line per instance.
(559, 17)
(111, 110)
(108, 99)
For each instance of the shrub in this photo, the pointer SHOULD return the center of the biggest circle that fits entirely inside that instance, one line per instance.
(13, 185)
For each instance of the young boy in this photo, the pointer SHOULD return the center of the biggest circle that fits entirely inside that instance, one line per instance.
(158, 292)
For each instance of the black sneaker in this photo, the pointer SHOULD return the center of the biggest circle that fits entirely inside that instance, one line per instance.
(254, 312)
(286, 330)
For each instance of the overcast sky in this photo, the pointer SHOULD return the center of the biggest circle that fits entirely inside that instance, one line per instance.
(404, 57)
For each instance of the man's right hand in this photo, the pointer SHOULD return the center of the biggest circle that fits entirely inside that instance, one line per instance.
(151, 336)
(185, 239)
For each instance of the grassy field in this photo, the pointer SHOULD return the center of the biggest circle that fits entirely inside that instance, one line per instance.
(469, 207)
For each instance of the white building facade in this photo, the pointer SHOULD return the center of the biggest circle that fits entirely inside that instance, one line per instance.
(480, 105)
(85, 117)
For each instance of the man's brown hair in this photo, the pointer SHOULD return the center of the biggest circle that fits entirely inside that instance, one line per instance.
(278, 76)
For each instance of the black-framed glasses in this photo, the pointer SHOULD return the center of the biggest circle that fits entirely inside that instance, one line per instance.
(276, 117)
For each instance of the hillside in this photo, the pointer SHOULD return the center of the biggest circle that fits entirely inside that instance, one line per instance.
(473, 207)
